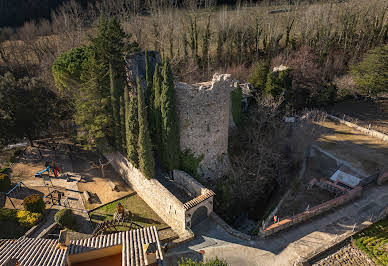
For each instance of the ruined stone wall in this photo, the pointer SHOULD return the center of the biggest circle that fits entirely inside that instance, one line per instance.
(204, 116)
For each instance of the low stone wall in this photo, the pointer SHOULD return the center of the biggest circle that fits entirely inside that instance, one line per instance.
(370, 132)
(314, 211)
(188, 183)
(165, 204)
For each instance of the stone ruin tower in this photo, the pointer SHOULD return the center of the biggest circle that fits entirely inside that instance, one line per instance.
(204, 117)
(204, 112)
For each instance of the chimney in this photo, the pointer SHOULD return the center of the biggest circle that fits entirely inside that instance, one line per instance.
(150, 254)
(63, 240)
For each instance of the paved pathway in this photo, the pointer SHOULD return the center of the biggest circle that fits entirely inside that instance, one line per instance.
(286, 247)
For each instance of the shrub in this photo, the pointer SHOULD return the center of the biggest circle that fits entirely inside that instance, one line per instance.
(371, 74)
(259, 77)
(65, 218)
(28, 219)
(5, 182)
(190, 163)
(7, 214)
(34, 203)
(211, 262)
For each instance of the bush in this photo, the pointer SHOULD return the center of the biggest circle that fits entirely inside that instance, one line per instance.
(189, 162)
(7, 214)
(5, 182)
(259, 77)
(28, 219)
(65, 218)
(211, 262)
(34, 203)
(371, 74)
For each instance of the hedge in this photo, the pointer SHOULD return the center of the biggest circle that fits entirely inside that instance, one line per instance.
(65, 218)
(34, 203)
(24, 218)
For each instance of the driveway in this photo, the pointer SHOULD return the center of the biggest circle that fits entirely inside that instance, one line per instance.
(283, 248)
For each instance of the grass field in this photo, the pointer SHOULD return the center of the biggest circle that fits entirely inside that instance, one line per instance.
(374, 241)
(142, 214)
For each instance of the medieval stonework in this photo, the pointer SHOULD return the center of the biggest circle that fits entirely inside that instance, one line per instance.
(204, 116)
(204, 112)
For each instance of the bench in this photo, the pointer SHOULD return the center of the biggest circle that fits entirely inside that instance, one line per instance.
(87, 196)
(112, 185)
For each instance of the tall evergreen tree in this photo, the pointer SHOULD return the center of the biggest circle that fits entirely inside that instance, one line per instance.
(115, 103)
(122, 125)
(157, 116)
(149, 100)
(170, 129)
(146, 159)
(93, 114)
(132, 127)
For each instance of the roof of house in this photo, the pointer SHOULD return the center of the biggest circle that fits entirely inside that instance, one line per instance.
(33, 251)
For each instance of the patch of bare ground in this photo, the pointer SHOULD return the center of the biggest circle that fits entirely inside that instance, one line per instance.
(362, 151)
(93, 181)
(364, 113)
(346, 256)
(303, 198)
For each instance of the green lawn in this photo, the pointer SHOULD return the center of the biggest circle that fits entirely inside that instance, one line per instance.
(374, 241)
(142, 214)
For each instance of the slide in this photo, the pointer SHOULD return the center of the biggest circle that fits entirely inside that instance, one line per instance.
(41, 172)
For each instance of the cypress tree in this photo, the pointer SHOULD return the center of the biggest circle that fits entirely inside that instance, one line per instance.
(157, 116)
(115, 103)
(149, 92)
(146, 159)
(122, 124)
(132, 127)
(170, 130)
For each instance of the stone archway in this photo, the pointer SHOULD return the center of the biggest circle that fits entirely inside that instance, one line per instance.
(199, 215)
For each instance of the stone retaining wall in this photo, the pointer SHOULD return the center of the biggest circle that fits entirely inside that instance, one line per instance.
(165, 204)
(370, 132)
(312, 212)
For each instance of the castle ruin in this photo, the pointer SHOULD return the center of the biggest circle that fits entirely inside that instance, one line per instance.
(204, 112)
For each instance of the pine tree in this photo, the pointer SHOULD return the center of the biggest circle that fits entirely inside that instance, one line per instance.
(115, 103)
(93, 114)
(170, 130)
(144, 147)
(132, 127)
(122, 124)
(157, 116)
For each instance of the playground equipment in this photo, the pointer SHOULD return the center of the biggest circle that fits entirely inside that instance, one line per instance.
(17, 189)
(50, 166)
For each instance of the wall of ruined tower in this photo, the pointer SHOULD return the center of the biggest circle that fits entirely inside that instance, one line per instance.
(204, 115)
